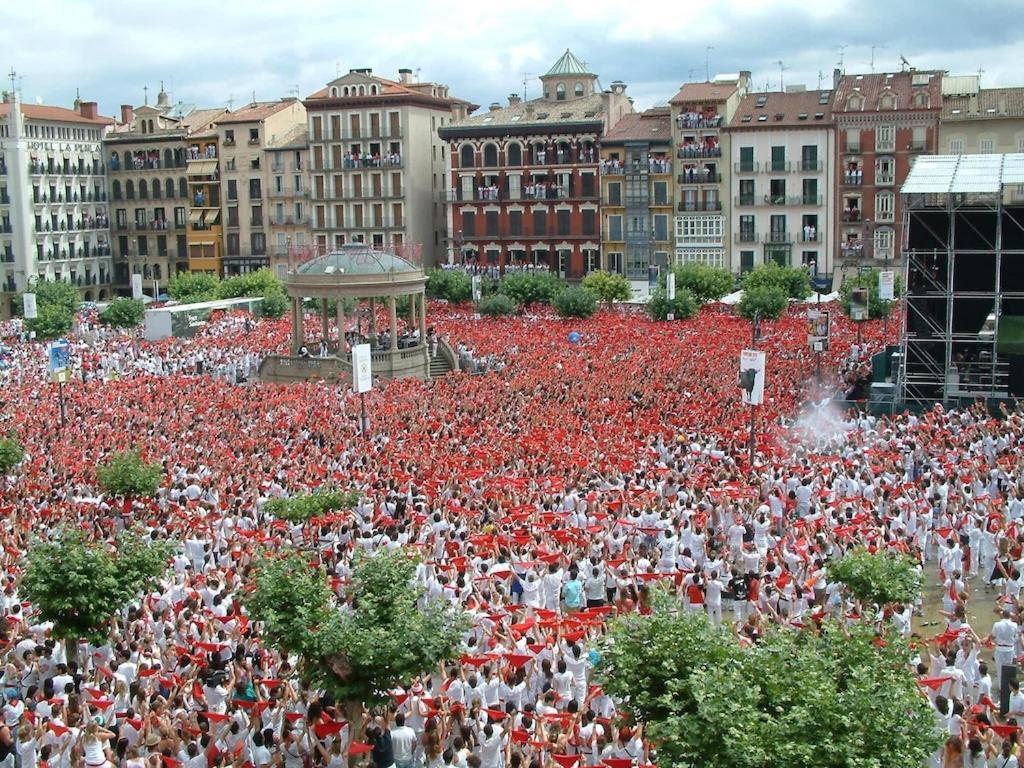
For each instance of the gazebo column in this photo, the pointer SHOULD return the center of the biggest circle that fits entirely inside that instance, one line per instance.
(393, 322)
(373, 318)
(297, 340)
(412, 311)
(423, 317)
(325, 328)
(341, 326)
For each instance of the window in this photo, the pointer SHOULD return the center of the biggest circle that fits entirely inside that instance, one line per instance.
(809, 157)
(615, 228)
(179, 217)
(491, 223)
(777, 254)
(705, 230)
(986, 146)
(578, 90)
(747, 233)
(229, 137)
(746, 261)
(560, 92)
(257, 215)
(887, 101)
(514, 155)
(712, 257)
(232, 215)
(540, 222)
(956, 146)
(589, 221)
(810, 192)
(615, 193)
(661, 227)
(515, 222)
(234, 246)
(258, 241)
(466, 156)
(746, 160)
(885, 170)
(232, 189)
(564, 222)
(884, 206)
(883, 243)
(853, 139)
(469, 223)
(661, 193)
(746, 192)
(919, 140)
(120, 219)
(587, 184)
(777, 191)
(490, 155)
(779, 159)
(885, 138)
(779, 233)
(615, 263)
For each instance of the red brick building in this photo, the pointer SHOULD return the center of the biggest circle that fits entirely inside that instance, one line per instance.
(523, 179)
(883, 122)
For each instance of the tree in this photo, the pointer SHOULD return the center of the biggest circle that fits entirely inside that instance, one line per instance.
(386, 639)
(52, 321)
(496, 305)
(123, 313)
(250, 284)
(683, 306)
(795, 282)
(299, 509)
(54, 293)
(607, 287)
(191, 287)
(81, 585)
(126, 474)
(768, 301)
(880, 578)
(274, 304)
(838, 697)
(526, 288)
(876, 307)
(575, 302)
(11, 454)
(452, 285)
(704, 283)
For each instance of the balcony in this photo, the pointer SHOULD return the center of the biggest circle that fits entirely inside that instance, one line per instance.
(778, 238)
(742, 201)
(696, 206)
(852, 250)
(851, 215)
(853, 178)
(809, 166)
(742, 167)
(347, 134)
(289, 192)
(288, 221)
(885, 179)
(360, 163)
(777, 166)
(918, 146)
(810, 236)
(779, 200)
(746, 237)
(853, 148)
(699, 177)
(684, 122)
(696, 153)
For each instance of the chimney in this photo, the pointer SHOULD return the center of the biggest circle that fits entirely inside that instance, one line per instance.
(837, 75)
(88, 110)
(618, 87)
(495, 106)
(1002, 106)
(405, 76)
(127, 113)
(529, 109)
(513, 99)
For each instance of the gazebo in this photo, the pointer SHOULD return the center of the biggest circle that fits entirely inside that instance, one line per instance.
(357, 271)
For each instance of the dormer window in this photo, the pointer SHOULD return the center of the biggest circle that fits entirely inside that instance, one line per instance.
(578, 90)
(855, 103)
(921, 100)
(560, 92)
(334, 92)
(887, 101)
(345, 91)
(373, 90)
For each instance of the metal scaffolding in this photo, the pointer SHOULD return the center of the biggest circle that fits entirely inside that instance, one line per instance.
(963, 247)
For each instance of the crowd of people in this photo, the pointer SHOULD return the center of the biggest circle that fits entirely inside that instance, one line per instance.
(555, 491)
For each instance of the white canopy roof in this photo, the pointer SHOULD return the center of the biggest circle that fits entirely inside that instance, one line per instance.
(963, 174)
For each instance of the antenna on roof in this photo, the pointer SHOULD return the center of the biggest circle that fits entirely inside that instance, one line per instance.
(418, 73)
(904, 64)
(231, 101)
(821, 76)
(689, 73)
(782, 69)
(842, 50)
(145, 94)
(707, 62)
(337, 69)
(13, 76)
(980, 73)
(295, 90)
(254, 97)
(873, 49)
(527, 77)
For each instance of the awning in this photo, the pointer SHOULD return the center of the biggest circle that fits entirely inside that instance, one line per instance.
(201, 167)
(212, 216)
(194, 217)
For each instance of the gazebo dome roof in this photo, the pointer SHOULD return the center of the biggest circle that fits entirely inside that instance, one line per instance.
(356, 259)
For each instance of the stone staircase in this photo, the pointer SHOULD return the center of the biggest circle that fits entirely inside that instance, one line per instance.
(439, 366)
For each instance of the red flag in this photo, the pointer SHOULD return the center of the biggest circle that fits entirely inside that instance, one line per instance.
(359, 748)
(566, 761)
(215, 717)
(323, 730)
(934, 682)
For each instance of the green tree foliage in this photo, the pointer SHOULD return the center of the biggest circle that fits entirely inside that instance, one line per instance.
(880, 578)
(704, 283)
(766, 300)
(452, 285)
(496, 305)
(126, 474)
(682, 306)
(387, 638)
(299, 509)
(575, 302)
(58, 293)
(526, 288)
(876, 307)
(607, 287)
(274, 304)
(52, 321)
(123, 313)
(192, 287)
(81, 585)
(250, 284)
(795, 282)
(832, 699)
(11, 454)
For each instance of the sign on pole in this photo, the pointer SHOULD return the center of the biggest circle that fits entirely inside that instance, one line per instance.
(818, 327)
(60, 361)
(859, 304)
(362, 375)
(752, 376)
(477, 287)
(29, 301)
(887, 285)
(670, 286)
(136, 286)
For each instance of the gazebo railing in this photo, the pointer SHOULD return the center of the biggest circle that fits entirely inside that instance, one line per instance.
(411, 252)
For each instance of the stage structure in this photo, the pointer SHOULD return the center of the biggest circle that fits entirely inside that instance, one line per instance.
(963, 319)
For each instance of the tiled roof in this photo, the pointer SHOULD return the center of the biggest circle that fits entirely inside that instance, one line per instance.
(568, 64)
(776, 109)
(703, 92)
(253, 113)
(53, 114)
(654, 125)
(992, 104)
(296, 138)
(202, 119)
(873, 87)
(544, 112)
(389, 89)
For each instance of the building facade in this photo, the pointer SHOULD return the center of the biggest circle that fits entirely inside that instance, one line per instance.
(290, 208)
(54, 222)
(883, 122)
(783, 180)
(700, 111)
(524, 183)
(262, 188)
(376, 161)
(636, 196)
(146, 156)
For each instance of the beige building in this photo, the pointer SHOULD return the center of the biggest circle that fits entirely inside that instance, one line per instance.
(146, 156)
(377, 162)
(701, 165)
(261, 186)
(291, 217)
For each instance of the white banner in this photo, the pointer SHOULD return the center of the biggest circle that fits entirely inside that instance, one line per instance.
(752, 376)
(29, 301)
(478, 285)
(887, 285)
(362, 375)
(136, 286)
(670, 286)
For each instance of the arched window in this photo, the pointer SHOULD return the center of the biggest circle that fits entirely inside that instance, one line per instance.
(854, 103)
(115, 189)
(129, 189)
(168, 159)
(921, 100)
(362, 90)
(143, 189)
(578, 90)
(466, 156)
(169, 188)
(373, 90)
(334, 92)
(344, 91)
(560, 92)
(887, 101)
(490, 155)
(157, 190)
(182, 187)
(128, 164)
(514, 155)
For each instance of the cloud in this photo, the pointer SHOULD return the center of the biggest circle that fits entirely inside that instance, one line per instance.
(207, 53)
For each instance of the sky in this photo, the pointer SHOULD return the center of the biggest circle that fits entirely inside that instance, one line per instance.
(222, 52)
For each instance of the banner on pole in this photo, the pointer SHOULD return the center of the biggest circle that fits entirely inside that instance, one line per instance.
(887, 285)
(858, 304)
(670, 286)
(29, 304)
(752, 376)
(60, 361)
(478, 284)
(362, 375)
(136, 286)
(818, 328)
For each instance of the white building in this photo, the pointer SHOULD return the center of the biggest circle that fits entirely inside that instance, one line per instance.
(783, 186)
(53, 200)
